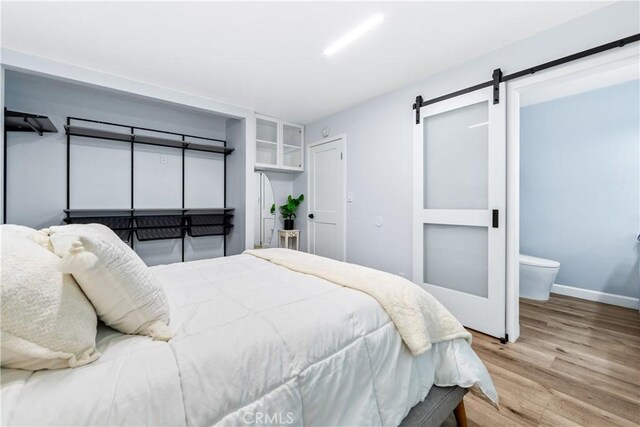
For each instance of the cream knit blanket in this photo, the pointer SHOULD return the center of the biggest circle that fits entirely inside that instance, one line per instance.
(419, 318)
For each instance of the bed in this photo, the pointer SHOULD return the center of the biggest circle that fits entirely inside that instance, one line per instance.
(255, 344)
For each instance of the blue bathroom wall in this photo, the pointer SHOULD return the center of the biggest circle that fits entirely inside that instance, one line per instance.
(580, 187)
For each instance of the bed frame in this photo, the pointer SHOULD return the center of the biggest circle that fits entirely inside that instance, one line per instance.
(436, 408)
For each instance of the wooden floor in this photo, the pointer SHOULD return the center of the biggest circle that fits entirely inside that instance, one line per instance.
(576, 363)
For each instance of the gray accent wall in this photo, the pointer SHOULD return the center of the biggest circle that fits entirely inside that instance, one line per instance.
(380, 133)
(100, 172)
(580, 187)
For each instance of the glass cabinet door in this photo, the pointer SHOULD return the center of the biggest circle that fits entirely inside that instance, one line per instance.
(291, 146)
(266, 142)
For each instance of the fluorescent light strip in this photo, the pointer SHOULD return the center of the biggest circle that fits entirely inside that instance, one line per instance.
(354, 34)
(479, 124)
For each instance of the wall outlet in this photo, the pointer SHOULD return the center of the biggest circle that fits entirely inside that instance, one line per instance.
(164, 159)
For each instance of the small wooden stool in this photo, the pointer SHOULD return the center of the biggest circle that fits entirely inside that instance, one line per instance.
(285, 235)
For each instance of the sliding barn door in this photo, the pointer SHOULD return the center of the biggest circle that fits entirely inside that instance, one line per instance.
(459, 207)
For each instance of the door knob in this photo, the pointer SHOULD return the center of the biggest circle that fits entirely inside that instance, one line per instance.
(311, 216)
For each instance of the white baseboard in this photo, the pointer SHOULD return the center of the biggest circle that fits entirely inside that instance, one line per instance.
(590, 295)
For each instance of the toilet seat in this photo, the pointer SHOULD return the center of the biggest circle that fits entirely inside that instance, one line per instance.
(538, 262)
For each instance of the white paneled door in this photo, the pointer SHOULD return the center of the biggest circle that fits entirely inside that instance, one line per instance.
(327, 198)
(459, 207)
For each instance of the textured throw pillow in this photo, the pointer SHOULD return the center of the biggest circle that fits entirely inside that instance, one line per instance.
(18, 230)
(47, 322)
(125, 294)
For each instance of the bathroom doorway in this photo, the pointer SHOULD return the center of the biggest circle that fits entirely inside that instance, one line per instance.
(573, 185)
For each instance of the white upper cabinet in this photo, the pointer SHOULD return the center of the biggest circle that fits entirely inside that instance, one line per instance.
(279, 145)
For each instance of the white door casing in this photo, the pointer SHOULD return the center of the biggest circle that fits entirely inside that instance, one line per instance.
(614, 59)
(458, 250)
(327, 197)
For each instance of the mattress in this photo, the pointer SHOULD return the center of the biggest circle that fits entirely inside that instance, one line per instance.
(255, 343)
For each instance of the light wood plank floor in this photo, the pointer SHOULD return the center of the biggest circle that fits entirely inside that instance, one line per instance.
(576, 363)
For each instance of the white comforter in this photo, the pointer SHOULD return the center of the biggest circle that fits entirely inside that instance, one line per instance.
(256, 343)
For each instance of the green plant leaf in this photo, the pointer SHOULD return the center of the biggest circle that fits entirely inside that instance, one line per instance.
(288, 210)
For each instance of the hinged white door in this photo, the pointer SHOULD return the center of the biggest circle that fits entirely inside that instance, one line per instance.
(459, 207)
(326, 198)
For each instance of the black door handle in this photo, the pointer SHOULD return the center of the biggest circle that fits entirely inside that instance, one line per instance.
(311, 216)
(496, 216)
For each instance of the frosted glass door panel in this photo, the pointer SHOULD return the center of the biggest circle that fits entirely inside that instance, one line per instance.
(456, 257)
(456, 158)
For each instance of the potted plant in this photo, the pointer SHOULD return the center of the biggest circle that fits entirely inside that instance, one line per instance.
(288, 210)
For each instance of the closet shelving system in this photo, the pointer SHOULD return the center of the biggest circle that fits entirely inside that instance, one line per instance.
(150, 224)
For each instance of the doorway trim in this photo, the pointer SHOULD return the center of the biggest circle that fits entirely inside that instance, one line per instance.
(343, 137)
(515, 89)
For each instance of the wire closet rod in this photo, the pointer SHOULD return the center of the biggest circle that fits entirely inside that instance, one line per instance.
(537, 68)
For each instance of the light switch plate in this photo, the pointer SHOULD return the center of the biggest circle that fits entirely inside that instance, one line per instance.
(350, 196)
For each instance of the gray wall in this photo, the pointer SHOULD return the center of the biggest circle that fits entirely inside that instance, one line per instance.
(580, 187)
(100, 173)
(379, 133)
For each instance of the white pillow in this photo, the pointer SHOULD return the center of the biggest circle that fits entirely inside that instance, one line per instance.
(47, 322)
(18, 230)
(125, 294)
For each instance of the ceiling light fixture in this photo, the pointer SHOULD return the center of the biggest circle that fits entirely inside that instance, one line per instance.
(354, 34)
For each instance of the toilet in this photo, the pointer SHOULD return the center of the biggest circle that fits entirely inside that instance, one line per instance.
(537, 275)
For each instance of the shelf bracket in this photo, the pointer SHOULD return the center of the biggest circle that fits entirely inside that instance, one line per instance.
(33, 124)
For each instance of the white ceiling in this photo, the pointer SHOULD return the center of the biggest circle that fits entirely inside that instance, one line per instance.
(267, 56)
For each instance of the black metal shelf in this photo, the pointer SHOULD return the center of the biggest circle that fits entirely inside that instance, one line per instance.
(150, 210)
(86, 132)
(97, 133)
(149, 223)
(121, 225)
(15, 121)
(157, 224)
